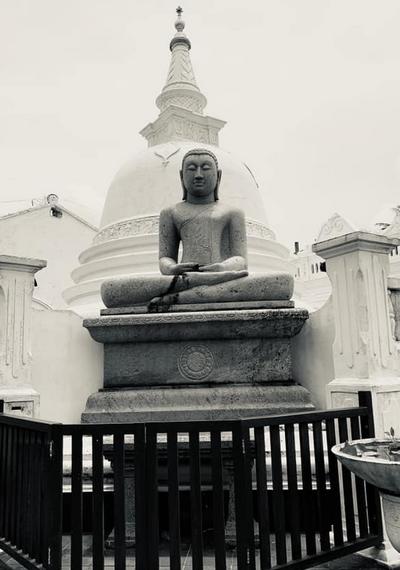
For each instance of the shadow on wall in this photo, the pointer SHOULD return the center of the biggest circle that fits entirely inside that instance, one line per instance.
(312, 353)
(67, 364)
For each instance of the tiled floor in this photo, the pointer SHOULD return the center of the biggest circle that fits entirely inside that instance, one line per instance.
(351, 562)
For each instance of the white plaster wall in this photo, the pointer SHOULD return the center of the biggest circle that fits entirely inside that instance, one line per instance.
(35, 233)
(67, 364)
(313, 355)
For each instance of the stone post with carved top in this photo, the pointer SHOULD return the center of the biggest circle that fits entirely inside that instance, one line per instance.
(364, 350)
(16, 288)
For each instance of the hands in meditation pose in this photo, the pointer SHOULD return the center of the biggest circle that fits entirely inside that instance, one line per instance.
(213, 268)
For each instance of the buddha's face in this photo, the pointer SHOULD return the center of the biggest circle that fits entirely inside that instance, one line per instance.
(200, 175)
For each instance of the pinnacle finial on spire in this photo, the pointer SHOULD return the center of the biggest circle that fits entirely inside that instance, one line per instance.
(180, 37)
(179, 24)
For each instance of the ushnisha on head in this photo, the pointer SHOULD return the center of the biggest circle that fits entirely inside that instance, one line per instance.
(200, 175)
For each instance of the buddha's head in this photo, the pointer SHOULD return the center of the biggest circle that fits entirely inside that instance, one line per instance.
(200, 175)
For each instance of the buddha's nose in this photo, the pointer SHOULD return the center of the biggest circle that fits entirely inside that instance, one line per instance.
(198, 173)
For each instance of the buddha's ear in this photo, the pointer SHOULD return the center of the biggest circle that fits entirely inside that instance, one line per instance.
(219, 174)
(184, 196)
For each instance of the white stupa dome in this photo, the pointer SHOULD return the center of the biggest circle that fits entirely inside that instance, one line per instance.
(150, 181)
(127, 240)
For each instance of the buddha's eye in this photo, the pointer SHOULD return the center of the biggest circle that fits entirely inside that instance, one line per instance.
(206, 166)
(191, 167)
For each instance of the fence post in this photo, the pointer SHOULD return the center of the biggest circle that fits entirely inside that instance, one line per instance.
(368, 430)
(367, 423)
(1, 406)
(54, 477)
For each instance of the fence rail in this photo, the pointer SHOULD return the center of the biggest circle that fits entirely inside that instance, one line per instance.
(264, 493)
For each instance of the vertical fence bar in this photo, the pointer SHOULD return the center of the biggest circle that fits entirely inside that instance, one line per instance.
(8, 504)
(152, 498)
(30, 515)
(334, 483)
(19, 507)
(293, 492)
(13, 487)
(76, 502)
(43, 499)
(360, 485)
(119, 501)
(239, 474)
(262, 499)
(54, 478)
(173, 502)
(248, 490)
(196, 518)
(37, 474)
(218, 501)
(367, 422)
(25, 490)
(278, 496)
(307, 488)
(3, 474)
(321, 485)
(98, 502)
(347, 487)
(140, 498)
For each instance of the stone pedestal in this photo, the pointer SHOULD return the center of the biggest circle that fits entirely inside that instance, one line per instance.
(196, 365)
(16, 288)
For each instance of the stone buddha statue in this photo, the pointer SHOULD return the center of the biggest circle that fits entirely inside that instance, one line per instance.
(213, 267)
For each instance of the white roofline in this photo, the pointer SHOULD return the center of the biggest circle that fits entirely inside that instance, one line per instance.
(59, 206)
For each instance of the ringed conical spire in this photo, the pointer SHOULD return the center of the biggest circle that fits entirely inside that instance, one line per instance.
(181, 102)
(181, 88)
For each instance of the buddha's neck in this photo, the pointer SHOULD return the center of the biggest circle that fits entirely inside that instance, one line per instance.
(200, 199)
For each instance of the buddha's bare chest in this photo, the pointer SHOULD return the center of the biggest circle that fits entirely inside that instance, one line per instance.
(201, 234)
(204, 225)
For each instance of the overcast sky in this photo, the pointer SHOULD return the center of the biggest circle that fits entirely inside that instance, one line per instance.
(310, 90)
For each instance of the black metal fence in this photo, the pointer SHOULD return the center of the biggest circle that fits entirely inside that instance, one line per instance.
(260, 493)
(30, 491)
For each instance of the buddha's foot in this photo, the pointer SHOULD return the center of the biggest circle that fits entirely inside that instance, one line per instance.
(163, 301)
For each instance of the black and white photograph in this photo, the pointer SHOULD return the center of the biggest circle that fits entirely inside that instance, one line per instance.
(200, 285)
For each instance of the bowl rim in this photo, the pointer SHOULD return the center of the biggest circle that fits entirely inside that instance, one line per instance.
(337, 450)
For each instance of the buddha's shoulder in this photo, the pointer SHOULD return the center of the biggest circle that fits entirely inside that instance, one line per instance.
(167, 212)
(231, 211)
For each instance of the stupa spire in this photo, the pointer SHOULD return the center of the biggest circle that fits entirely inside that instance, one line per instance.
(181, 102)
(181, 88)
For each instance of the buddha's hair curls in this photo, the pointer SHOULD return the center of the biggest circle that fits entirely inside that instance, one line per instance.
(198, 151)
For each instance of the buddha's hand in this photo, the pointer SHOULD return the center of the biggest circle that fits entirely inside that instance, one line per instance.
(180, 268)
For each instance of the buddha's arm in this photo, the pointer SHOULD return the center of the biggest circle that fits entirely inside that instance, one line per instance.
(169, 247)
(237, 261)
(168, 242)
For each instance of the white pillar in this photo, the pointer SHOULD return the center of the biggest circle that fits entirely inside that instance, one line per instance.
(364, 351)
(16, 288)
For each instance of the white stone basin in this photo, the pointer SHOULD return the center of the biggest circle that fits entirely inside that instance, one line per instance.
(378, 462)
